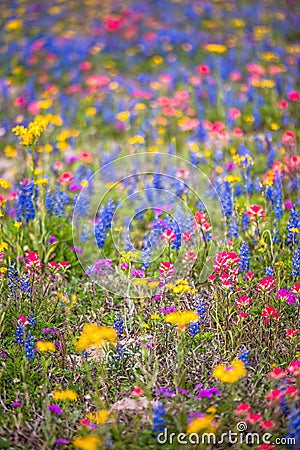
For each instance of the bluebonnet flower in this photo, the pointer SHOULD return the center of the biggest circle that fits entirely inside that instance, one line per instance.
(296, 263)
(13, 280)
(244, 265)
(244, 357)
(159, 418)
(56, 202)
(103, 223)
(19, 333)
(245, 221)
(146, 253)
(269, 271)
(119, 325)
(25, 287)
(24, 204)
(29, 345)
(195, 327)
(294, 425)
(293, 224)
(31, 319)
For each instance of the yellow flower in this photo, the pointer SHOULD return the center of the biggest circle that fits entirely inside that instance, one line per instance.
(156, 60)
(92, 111)
(231, 373)
(91, 442)
(3, 246)
(216, 48)
(10, 151)
(93, 335)
(123, 116)
(294, 230)
(31, 134)
(232, 179)
(65, 395)
(201, 424)
(136, 140)
(45, 346)
(41, 181)
(13, 25)
(5, 184)
(3, 269)
(182, 318)
(100, 417)
(155, 316)
(17, 224)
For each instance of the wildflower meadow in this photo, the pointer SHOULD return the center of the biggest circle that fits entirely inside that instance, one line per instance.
(150, 224)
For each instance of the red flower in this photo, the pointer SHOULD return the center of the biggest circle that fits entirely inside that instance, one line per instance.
(293, 96)
(243, 302)
(270, 313)
(32, 261)
(292, 333)
(294, 368)
(242, 409)
(168, 236)
(266, 447)
(274, 396)
(66, 178)
(277, 374)
(203, 69)
(267, 425)
(253, 418)
(166, 267)
(288, 138)
(296, 288)
(291, 391)
(187, 236)
(256, 212)
(267, 284)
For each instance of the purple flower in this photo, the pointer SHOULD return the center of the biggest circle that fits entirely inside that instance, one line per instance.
(51, 240)
(55, 409)
(182, 391)
(62, 441)
(17, 404)
(164, 391)
(49, 330)
(168, 310)
(137, 273)
(208, 393)
(77, 250)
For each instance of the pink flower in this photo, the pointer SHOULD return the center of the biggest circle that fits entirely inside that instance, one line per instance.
(32, 262)
(189, 257)
(270, 313)
(137, 391)
(203, 69)
(187, 236)
(242, 409)
(166, 268)
(292, 333)
(294, 368)
(267, 425)
(274, 396)
(66, 178)
(267, 284)
(288, 138)
(243, 301)
(296, 288)
(253, 418)
(256, 212)
(277, 374)
(293, 96)
(168, 236)
(266, 447)
(291, 391)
